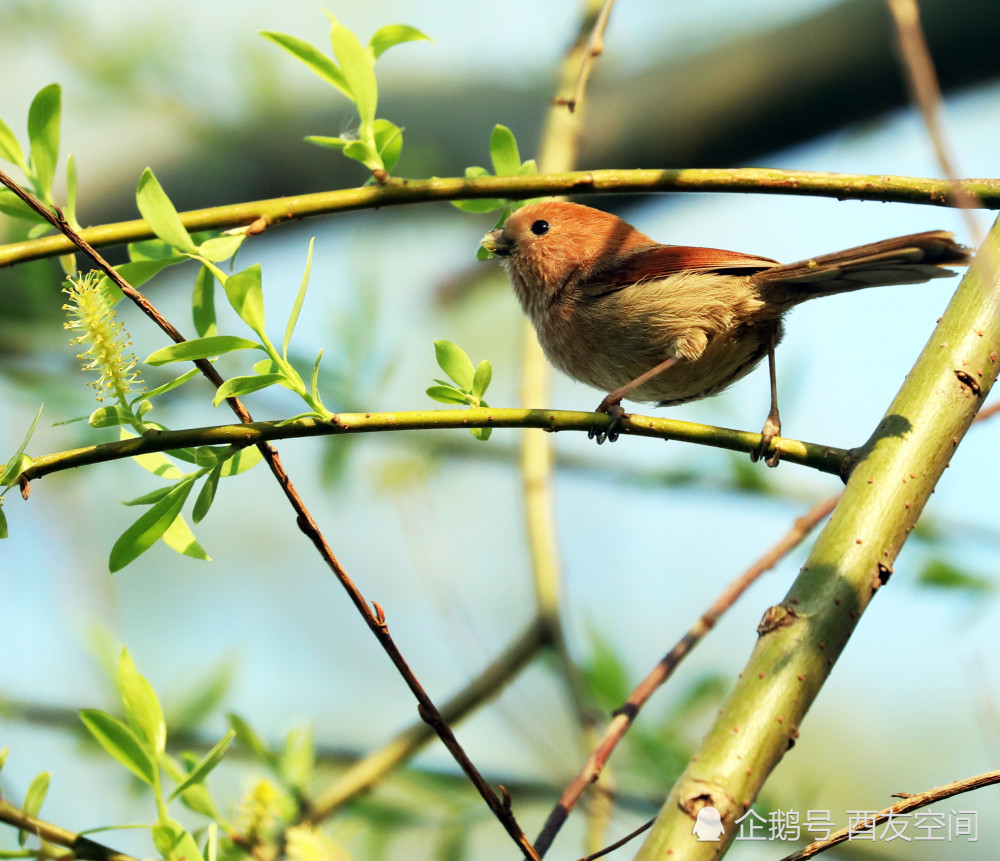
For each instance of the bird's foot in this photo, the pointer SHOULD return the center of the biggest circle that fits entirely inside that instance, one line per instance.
(771, 429)
(614, 409)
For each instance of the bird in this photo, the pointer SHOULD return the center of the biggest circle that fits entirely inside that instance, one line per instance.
(669, 324)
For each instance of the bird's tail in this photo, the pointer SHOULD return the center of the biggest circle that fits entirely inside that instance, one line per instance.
(902, 260)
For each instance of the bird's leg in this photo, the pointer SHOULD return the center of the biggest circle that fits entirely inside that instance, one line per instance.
(772, 427)
(612, 403)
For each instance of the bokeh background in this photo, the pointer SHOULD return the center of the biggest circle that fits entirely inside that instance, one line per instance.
(430, 525)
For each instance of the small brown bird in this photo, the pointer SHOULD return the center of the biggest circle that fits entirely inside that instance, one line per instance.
(673, 323)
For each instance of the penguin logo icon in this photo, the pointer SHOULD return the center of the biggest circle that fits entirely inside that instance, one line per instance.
(708, 826)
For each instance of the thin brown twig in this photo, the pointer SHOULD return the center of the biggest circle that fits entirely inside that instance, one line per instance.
(619, 843)
(909, 802)
(625, 715)
(375, 621)
(595, 48)
(81, 846)
(922, 82)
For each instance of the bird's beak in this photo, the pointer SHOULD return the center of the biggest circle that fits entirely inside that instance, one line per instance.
(497, 242)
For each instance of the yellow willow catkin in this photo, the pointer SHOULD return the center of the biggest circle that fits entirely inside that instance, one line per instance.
(92, 314)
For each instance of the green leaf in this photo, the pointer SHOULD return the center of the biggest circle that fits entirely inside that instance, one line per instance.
(118, 739)
(10, 149)
(486, 204)
(394, 34)
(388, 142)
(204, 695)
(173, 384)
(299, 299)
(150, 498)
(447, 395)
(206, 496)
(251, 741)
(155, 462)
(174, 843)
(239, 386)
(12, 205)
(607, 678)
(482, 434)
(161, 215)
(246, 295)
(43, 136)
(149, 528)
(110, 416)
(208, 762)
(298, 758)
(455, 363)
(4, 753)
(503, 151)
(358, 68)
(481, 380)
(360, 151)
(243, 460)
(203, 302)
(943, 575)
(315, 59)
(154, 249)
(142, 707)
(33, 799)
(201, 348)
(3, 534)
(220, 248)
(328, 142)
(179, 538)
(137, 273)
(14, 466)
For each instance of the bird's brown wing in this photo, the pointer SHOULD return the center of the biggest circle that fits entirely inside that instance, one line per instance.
(661, 261)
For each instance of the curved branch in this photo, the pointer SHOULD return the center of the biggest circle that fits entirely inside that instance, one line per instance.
(260, 214)
(819, 457)
(82, 847)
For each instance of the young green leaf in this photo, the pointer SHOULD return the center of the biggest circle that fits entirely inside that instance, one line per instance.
(245, 459)
(203, 696)
(482, 434)
(481, 381)
(315, 59)
(201, 348)
(4, 753)
(174, 843)
(246, 295)
(503, 151)
(3, 534)
(239, 386)
(447, 395)
(360, 151)
(118, 739)
(299, 299)
(328, 142)
(298, 757)
(10, 149)
(150, 498)
(219, 248)
(155, 462)
(249, 739)
(161, 215)
(43, 136)
(13, 206)
(110, 416)
(206, 496)
(167, 387)
(71, 185)
(179, 538)
(455, 363)
(208, 762)
(388, 142)
(358, 68)
(14, 465)
(142, 707)
(203, 303)
(33, 799)
(149, 528)
(393, 34)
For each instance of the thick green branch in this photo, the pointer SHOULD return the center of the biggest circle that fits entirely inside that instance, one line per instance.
(264, 213)
(820, 457)
(801, 638)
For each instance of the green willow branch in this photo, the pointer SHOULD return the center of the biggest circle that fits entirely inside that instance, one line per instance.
(257, 216)
(819, 457)
(81, 847)
(800, 639)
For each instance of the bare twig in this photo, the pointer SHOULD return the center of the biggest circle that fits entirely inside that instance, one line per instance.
(625, 715)
(885, 188)
(922, 82)
(82, 847)
(909, 802)
(595, 47)
(375, 620)
(619, 843)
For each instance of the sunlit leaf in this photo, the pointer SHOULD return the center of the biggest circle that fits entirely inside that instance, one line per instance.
(161, 215)
(118, 739)
(43, 137)
(393, 34)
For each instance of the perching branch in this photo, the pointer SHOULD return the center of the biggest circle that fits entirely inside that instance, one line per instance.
(823, 458)
(266, 213)
(82, 847)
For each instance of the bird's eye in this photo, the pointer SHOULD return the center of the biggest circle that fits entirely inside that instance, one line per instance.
(540, 227)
